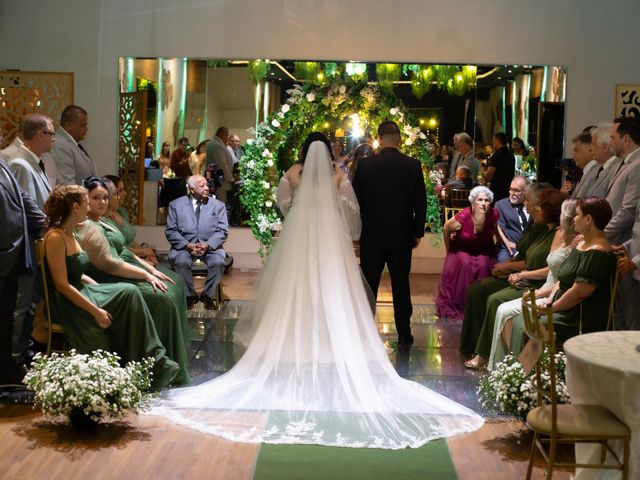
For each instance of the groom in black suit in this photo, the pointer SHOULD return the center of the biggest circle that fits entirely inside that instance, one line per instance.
(391, 192)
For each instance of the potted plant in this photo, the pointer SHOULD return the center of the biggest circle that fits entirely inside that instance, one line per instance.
(85, 388)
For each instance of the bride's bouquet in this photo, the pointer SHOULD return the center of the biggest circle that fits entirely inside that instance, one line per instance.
(93, 386)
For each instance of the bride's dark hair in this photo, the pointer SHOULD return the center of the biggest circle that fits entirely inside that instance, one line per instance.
(314, 137)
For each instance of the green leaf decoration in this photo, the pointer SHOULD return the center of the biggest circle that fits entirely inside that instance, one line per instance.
(387, 73)
(258, 70)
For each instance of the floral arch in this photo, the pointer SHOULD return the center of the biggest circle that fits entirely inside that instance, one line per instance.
(309, 108)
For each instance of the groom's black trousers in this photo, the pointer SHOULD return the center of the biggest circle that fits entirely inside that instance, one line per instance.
(372, 261)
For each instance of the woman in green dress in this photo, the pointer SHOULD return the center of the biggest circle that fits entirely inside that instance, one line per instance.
(486, 296)
(111, 261)
(112, 317)
(582, 295)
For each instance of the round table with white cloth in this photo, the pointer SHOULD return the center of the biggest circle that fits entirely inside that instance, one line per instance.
(603, 368)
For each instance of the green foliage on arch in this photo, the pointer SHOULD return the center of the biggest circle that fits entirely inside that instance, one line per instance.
(310, 108)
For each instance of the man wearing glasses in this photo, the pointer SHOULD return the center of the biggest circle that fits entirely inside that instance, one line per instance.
(28, 168)
(514, 219)
(72, 160)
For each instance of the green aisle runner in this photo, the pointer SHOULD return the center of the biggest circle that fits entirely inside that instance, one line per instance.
(302, 462)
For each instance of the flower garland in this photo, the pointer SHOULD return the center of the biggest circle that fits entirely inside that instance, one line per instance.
(309, 108)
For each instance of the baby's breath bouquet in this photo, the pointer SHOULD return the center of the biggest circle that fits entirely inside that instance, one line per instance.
(93, 386)
(508, 390)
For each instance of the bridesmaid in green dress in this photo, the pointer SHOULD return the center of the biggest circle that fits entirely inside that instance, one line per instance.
(111, 317)
(582, 295)
(111, 261)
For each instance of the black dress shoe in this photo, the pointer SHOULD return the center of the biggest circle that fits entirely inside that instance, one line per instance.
(405, 343)
(191, 301)
(228, 263)
(209, 304)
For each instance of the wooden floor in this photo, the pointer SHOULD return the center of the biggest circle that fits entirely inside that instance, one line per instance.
(141, 447)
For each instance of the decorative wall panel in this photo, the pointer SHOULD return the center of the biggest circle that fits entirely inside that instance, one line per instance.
(132, 136)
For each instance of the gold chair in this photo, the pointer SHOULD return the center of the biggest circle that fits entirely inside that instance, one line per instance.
(460, 197)
(450, 212)
(52, 327)
(555, 424)
(612, 304)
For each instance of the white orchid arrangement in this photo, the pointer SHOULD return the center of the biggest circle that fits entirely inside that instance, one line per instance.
(507, 389)
(96, 384)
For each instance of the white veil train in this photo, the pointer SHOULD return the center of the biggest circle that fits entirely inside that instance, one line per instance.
(315, 370)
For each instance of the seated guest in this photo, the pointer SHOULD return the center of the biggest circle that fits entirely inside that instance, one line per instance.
(486, 295)
(197, 229)
(112, 317)
(111, 262)
(463, 178)
(564, 241)
(514, 218)
(581, 297)
(470, 240)
(120, 217)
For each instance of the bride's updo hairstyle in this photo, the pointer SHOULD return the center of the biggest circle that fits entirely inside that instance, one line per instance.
(314, 137)
(58, 205)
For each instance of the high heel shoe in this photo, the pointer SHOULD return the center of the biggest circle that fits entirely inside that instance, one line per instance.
(476, 363)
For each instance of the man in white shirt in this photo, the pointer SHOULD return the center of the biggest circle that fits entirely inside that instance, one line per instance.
(72, 160)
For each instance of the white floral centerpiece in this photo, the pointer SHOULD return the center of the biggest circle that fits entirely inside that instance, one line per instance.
(85, 388)
(508, 390)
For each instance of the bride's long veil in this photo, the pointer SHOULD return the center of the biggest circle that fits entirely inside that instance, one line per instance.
(316, 370)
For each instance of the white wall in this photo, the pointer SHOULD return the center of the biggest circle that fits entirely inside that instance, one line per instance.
(597, 41)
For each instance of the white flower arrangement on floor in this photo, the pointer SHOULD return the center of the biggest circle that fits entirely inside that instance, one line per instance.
(508, 390)
(93, 385)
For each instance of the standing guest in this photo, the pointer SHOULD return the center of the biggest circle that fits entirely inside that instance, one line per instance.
(180, 159)
(583, 157)
(218, 155)
(72, 160)
(607, 161)
(48, 161)
(22, 221)
(197, 229)
(470, 241)
(466, 156)
(393, 223)
(629, 268)
(233, 196)
(28, 168)
(623, 197)
(236, 148)
(112, 317)
(500, 168)
(197, 158)
(164, 159)
(454, 158)
(514, 218)
(340, 160)
(519, 150)
(361, 151)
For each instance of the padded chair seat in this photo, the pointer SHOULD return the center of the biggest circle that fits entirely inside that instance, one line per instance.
(578, 420)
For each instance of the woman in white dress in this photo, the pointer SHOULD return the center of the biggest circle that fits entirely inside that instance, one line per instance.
(315, 370)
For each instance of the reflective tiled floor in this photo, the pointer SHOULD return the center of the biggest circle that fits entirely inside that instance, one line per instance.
(434, 360)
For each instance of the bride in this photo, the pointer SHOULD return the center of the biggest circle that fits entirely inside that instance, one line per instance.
(315, 370)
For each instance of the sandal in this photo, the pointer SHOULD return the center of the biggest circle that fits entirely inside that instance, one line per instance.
(476, 363)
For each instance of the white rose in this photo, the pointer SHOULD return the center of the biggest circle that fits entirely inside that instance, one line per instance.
(266, 184)
(342, 89)
(408, 142)
(393, 111)
(280, 115)
(422, 136)
(251, 164)
(266, 153)
(270, 163)
(275, 123)
(311, 96)
(250, 141)
(268, 204)
(285, 108)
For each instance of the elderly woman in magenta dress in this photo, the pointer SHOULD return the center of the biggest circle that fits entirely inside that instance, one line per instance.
(471, 242)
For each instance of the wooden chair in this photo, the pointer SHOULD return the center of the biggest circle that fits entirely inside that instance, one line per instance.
(460, 197)
(555, 424)
(53, 329)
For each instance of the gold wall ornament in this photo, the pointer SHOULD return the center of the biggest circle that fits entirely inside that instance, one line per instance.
(29, 92)
(132, 126)
(167, 89)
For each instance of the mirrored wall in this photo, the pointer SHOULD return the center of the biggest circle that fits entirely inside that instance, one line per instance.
(165, 99)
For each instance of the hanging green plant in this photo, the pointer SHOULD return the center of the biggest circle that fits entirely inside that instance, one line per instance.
(258, 70)
(307, 71)
(331, 69)
(314, 107)
(421, 81)
(457, 85)
(387, 73)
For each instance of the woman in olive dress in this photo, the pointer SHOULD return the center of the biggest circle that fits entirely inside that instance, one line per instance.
(111, 317)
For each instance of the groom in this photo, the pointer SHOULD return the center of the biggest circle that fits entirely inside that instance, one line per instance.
(391, 192)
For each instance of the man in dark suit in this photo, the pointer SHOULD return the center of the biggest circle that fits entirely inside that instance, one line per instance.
(197, 229)
(20, 218)
(391, 192)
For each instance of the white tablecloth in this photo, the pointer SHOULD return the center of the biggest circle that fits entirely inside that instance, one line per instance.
(603, 368)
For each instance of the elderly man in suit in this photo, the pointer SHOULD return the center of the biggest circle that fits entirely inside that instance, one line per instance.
(606, 165)
(72, 160)
(218, 155)
(197, 229)
(20, 220)
(623, 196)
(514, 218)
(28, 168)
(393, 223)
